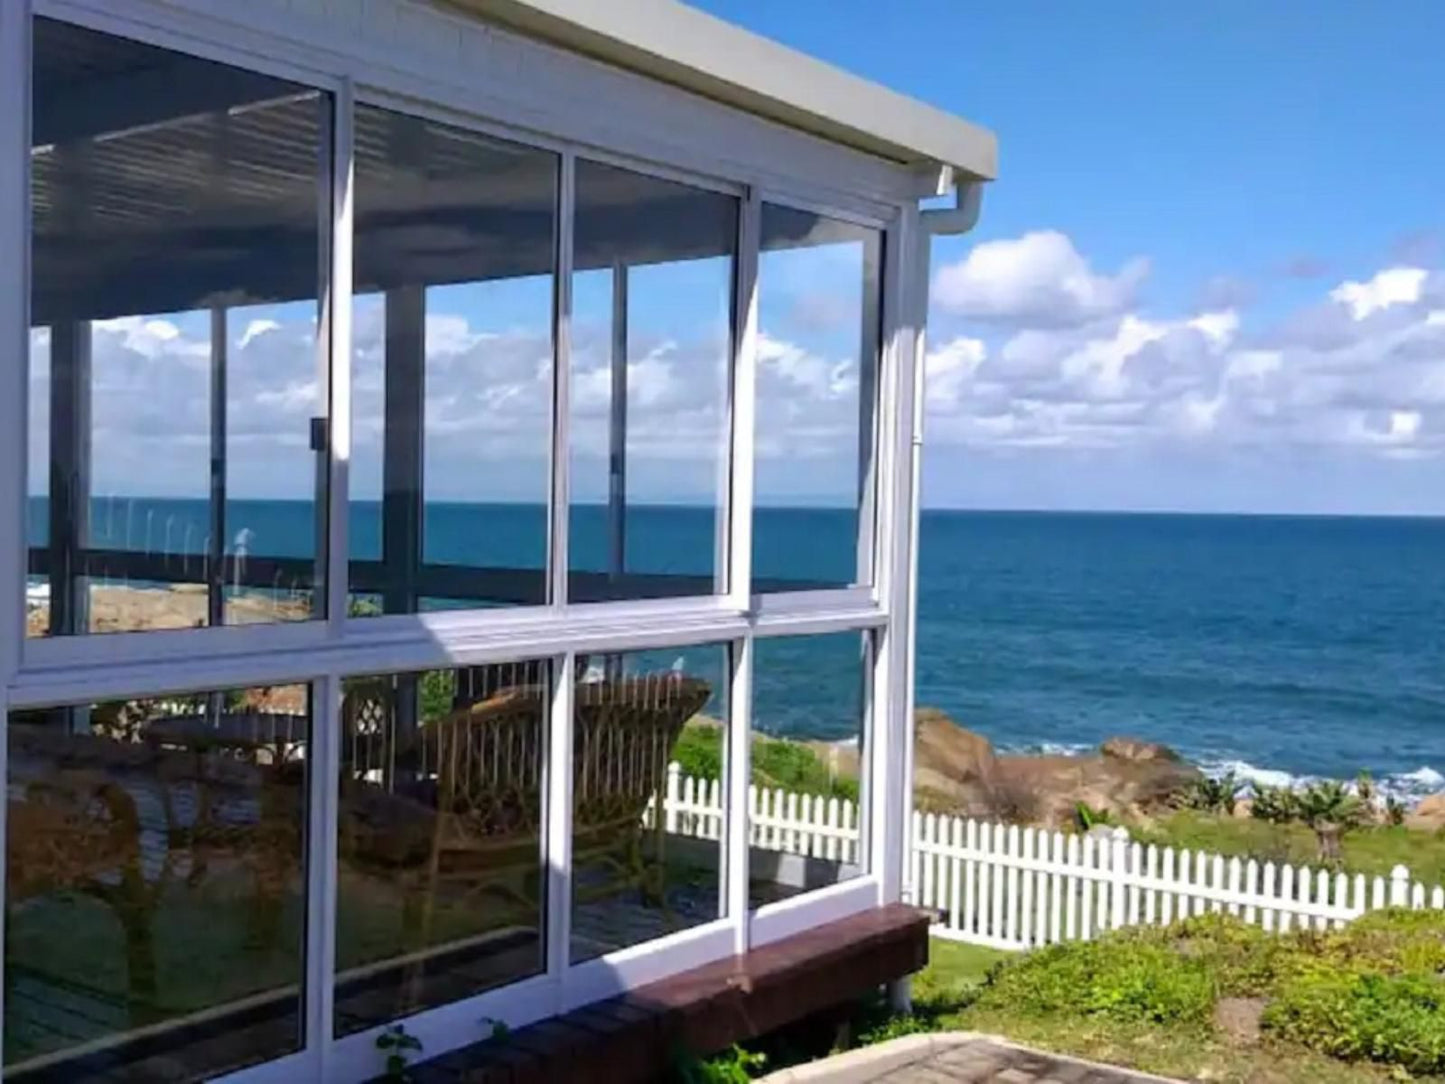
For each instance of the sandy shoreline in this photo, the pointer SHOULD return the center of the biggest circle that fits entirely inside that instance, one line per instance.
(116, 608)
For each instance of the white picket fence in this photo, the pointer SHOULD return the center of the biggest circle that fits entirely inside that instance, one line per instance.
(1017, 888)
(778, 820)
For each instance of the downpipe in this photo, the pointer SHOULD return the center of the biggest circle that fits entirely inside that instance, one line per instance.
(935, 222)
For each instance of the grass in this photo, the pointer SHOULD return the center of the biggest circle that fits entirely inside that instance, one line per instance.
(1372, 851)
(1144, 999)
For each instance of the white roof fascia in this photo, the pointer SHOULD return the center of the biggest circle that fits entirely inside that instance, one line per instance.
(670, 41)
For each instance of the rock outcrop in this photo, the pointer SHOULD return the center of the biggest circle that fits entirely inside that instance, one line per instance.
(1429, 815)
(1139, 751)
(958, 771)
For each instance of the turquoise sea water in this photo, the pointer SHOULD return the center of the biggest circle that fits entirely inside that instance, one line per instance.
(1280, 646)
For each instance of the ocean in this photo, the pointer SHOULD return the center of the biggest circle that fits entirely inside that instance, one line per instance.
(1283, 648)
(1280, 647)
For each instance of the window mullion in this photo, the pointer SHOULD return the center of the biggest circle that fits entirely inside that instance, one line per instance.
(744, 404)
(321, 867)
(15, 343)
(737, 764)
(562, 382)
(336, 353)
(14, 322)
(558, 822)
(891, 710)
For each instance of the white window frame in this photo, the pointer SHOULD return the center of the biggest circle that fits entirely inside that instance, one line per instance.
(406, 59)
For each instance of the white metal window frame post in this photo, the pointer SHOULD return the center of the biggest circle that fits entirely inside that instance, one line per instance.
(14, 355)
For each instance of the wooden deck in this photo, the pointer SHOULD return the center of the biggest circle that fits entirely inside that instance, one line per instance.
(638, 1035)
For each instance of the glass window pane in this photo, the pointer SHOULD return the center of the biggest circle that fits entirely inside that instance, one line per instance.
(652, 296)
(808, 758)
(648, 731)
(451, 369)
(178, 216)
(818, 344)
(155, 890)
(441, 891)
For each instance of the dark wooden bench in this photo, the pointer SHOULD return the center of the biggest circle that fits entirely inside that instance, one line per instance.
(638, 1035)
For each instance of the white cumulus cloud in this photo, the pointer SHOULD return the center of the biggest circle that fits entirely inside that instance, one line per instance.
(1393, 286)
(1358, 372)
(1039, 279)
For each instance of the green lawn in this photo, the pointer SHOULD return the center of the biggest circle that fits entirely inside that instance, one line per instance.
(1372, 851)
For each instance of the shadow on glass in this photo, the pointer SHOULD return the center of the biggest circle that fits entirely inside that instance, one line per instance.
(651, 345)
(648, 816)
(441, 880)
(155, 892)
(176, 455)
(451, 367)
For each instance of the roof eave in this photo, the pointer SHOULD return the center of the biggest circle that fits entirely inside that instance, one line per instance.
(691, 49)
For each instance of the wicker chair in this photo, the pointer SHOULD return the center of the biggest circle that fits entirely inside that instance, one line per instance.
(470, 824)
(78, 828)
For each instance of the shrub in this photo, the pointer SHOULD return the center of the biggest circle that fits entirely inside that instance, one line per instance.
(1124, 978)
(699, 751)
(1242, 959)
(438, 693)
(1395, 811)
(1365, 788)
(1371, 991)
(790, 765)
(1398, 1019)
(1390, 942)
(1087, 817)
(733, 1066)
(1331, 811)
(1214, 795)
(1278, 805)
(794, 766)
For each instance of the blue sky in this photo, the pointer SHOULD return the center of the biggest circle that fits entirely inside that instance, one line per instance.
(1226, 138)
(1211, 277)
(1253, 157)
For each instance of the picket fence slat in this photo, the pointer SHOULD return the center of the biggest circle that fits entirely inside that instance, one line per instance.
(1014, 888)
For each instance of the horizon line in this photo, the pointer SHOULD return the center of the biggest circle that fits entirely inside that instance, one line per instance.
(821, 507)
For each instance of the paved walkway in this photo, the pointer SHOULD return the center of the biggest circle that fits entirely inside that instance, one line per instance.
(956, 1058)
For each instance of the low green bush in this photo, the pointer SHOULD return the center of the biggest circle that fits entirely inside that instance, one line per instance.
(790, 765)
(733, 1066)
(1372, 991)
(794, 766)
(1126, 979)
(699, 752)
(1395, 1019)
(1242, 960)
(1213, 795)
(1391, 942)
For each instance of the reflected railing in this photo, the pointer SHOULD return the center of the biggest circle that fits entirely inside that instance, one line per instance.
(278, 578)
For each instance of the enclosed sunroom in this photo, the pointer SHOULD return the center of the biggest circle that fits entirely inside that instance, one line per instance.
(444, 447)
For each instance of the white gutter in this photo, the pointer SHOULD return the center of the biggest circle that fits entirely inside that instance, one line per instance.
(960, 218)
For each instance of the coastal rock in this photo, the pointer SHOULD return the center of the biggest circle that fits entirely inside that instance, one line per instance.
(952, 767)
(1429, 815)
(958, 771)
(1138, 750)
